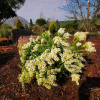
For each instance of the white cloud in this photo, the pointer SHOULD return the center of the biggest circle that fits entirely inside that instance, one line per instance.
(32, 9)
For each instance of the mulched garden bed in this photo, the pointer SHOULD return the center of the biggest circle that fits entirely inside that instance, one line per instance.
(11, 88)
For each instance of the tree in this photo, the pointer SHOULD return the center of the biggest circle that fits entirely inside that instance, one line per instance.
(40, 22)
(19, 24)
(8, 8)
(82, 10)
(58, 25)
(53, 28)
(31, 24)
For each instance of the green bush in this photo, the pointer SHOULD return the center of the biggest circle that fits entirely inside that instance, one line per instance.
(5, 30)
(19, 24)
(81, 29)
(45, 27)
(53, 28)
(68, 25)
(75, 24)
(70, 30)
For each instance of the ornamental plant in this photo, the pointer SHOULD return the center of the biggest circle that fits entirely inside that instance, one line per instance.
(48, 57)
(53, 28)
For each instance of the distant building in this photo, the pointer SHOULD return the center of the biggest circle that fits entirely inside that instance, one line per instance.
(12, 21)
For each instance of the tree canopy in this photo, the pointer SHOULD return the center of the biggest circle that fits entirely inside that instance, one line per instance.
(8, 9)
(40, 21)
(82, 10)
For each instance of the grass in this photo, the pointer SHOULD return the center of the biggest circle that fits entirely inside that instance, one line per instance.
(79, 22)
(93, 33)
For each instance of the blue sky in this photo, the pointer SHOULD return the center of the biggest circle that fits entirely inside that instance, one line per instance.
(49, 8)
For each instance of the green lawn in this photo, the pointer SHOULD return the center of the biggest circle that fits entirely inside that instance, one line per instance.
(93, 33)
(79, 22)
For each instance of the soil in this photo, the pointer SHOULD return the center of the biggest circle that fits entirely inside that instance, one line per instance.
(11, 88)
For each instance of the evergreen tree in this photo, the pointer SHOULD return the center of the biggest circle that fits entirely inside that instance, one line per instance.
(31, 23)
(58, 25)
(19, 24)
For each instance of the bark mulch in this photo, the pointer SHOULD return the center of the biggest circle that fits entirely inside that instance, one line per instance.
(11, 88)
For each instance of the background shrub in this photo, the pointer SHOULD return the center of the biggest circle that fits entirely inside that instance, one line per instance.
(5, 30)
(70, 30)
(19, 24)
(82, 29)
(45, 27)
(53, 28)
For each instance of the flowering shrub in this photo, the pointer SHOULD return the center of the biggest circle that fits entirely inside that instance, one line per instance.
(47, 56)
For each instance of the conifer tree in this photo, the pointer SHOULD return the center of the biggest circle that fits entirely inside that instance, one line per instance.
(19, 24)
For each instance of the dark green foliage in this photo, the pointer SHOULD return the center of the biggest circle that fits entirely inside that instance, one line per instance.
(53, 28)
(69, 28)
(68, 25)
(19, 24)
(31, 24)
(45, 27)
(82, 29)
(93, 25)
(75, 24)
(5, 30)
(7, 8)
(58, 25)
(40, 21)
(98, 15)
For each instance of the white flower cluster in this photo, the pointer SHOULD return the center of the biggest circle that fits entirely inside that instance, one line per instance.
(66, 35)
(89, 47)
(75, 77)
(37, 39)
(35, 48)
(26, 45)
(72, 61)
(31, 39)
(78, 44)
(50, 56)
(57, 40)
(42, 40)
(39, 62)
(80, 35)
(61, 30)
(41, 66)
